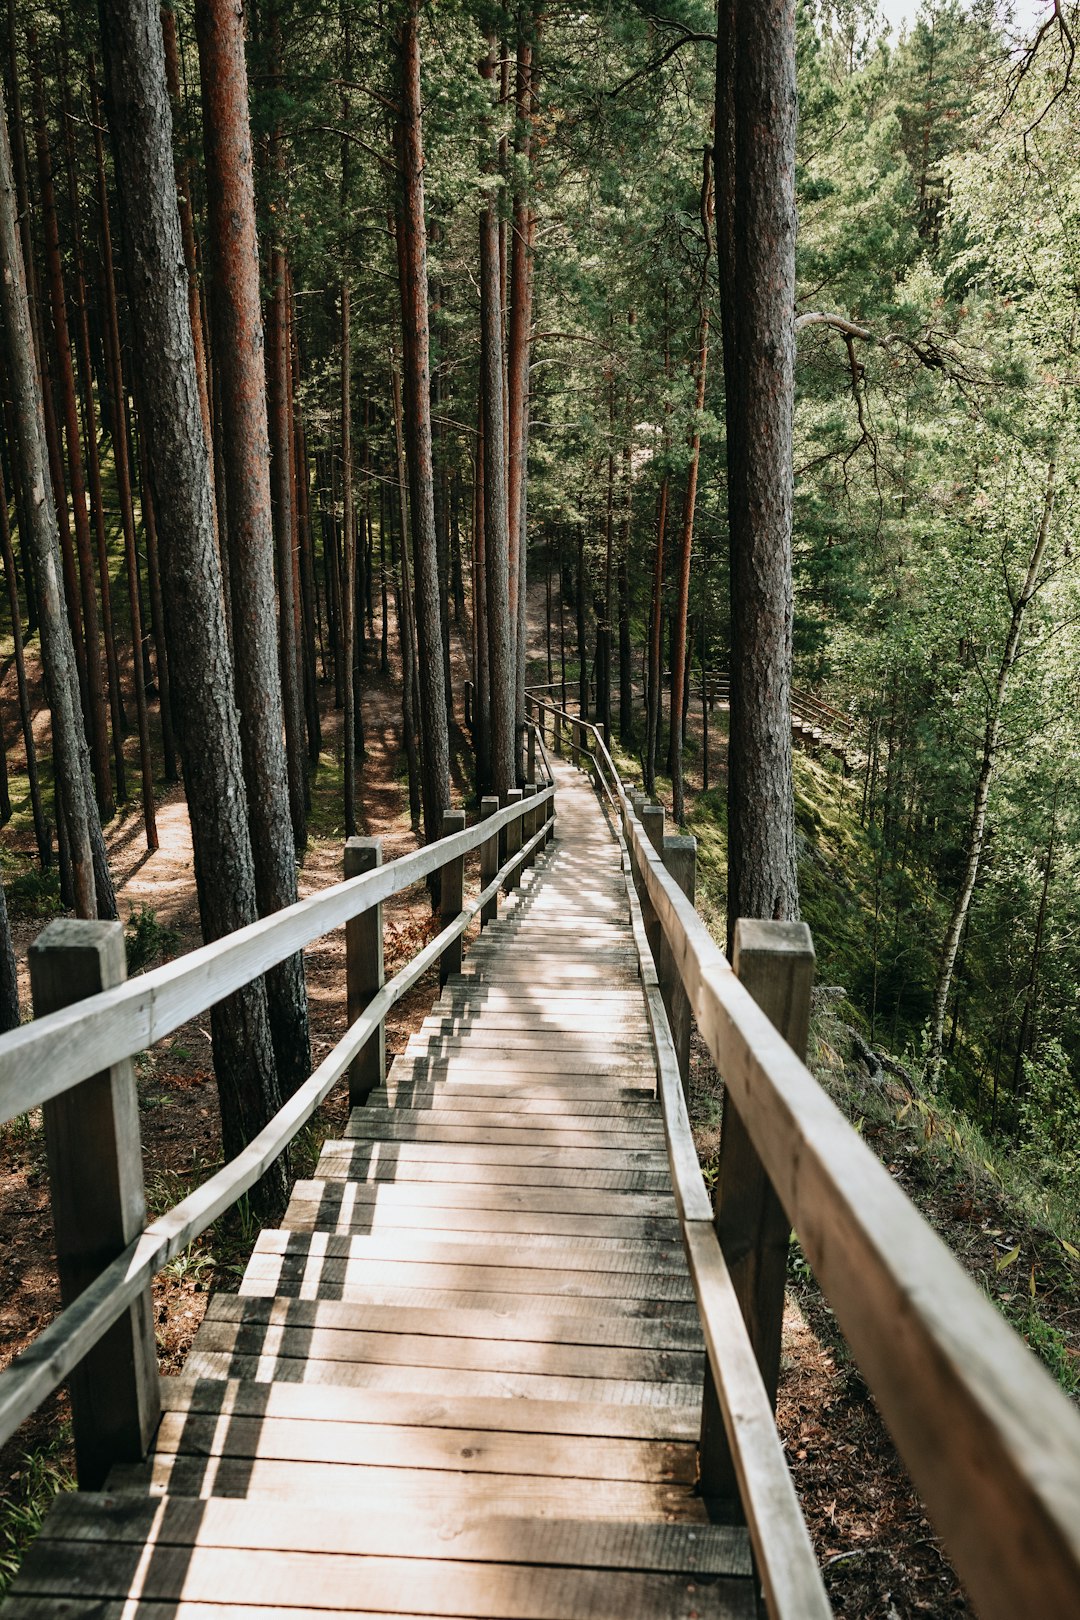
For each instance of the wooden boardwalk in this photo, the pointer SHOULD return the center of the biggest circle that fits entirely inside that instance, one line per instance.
(464, 1377)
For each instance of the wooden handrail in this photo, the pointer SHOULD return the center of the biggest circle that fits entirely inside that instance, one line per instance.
(990, 1441)
(40, 1060)
(64, 1343)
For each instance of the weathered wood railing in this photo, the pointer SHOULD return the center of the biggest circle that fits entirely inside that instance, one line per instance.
(990, 1441)
(76, 1062)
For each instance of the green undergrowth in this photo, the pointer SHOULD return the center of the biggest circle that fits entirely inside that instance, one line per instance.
(40, 1475)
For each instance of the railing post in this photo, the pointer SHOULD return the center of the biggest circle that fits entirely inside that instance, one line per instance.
(364, 972)
(451, 895)
(489, 862)
(531, 824)
(98, 1206)
(680, 858)
(651, 817)
(512, 842)
(775, 962)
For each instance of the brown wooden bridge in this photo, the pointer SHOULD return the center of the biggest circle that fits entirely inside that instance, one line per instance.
(505, 1355)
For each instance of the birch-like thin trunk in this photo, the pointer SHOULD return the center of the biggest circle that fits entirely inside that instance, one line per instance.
(976, 838)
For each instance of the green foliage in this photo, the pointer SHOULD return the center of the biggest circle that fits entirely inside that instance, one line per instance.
(146, 940)
(1050, 1117)
(41, 1475)
(34, 894)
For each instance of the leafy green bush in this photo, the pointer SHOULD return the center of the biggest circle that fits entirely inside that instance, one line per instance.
(147, 941)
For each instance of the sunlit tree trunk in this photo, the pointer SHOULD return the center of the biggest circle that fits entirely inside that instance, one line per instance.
(755, 213)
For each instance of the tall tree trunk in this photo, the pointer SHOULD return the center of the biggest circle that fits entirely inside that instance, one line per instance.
(140, 123)
(348, 594)
(404, 617)
(579, 611)
(238, 350)
(71, 759)
(95, 688)
(26, 717)
(680, 648)
(976, 837)
(656, 634)
(93, 458)
(501, 679)
(482, 651)
(416, 369)
(518, 348)
(755, 208)
(157, 617)
(122, 462)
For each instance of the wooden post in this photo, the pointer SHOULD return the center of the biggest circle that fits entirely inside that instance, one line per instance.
(512, 841)
(680, 858)
(451, 894)
(489, 862)
(651, 817)
(98, 1205)
(532, 818)
(364, 972)
(775, 961)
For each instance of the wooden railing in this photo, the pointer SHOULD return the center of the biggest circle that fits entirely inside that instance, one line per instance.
(76, 1062)
(990, 1441)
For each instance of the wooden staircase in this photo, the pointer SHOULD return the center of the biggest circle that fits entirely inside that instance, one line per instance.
(464, 1376)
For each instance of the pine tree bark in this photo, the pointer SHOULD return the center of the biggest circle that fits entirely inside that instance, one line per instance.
(348, 591)
(71, 757)
(755, 208)
(95, 687)
(679, 648)
(518, 350)
(118, 719)
(236, 316)
(416, 369)
(26, 717)
(500, 620)
(140, 123)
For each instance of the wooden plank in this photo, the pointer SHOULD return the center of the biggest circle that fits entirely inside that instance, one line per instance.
(400, 1348)
(430, 1296)
(430, 1130)
(531, 1040)
(433, 1247)
(531, 1152)
(313, 1277)
(221, 1522)
(539, 1059)
(453, 1492)
(328, 1581)
(521, 1324)
(515, 1167)
(390, 1447)
(512, 1099)
(585, 1192)
(785, 1556)
(494, 1197)
(332, 1210)
(644, 1128)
